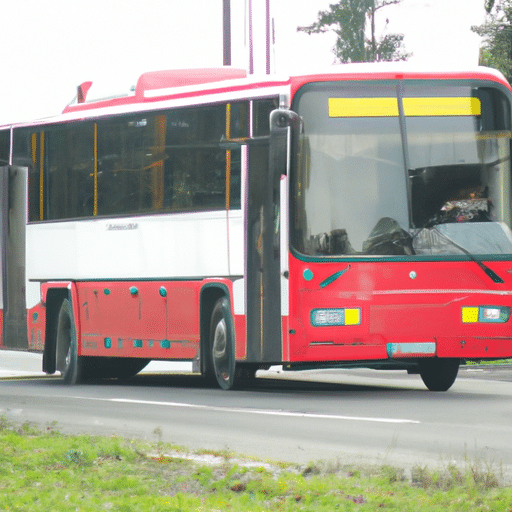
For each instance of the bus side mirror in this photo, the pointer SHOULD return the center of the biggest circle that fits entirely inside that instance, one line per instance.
(285, 127)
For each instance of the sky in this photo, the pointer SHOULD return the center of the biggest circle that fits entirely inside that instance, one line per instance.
(49, 47)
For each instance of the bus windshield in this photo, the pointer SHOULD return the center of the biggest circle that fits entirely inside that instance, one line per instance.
(402, 169)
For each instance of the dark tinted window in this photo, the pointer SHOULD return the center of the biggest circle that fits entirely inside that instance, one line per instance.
(130, 164)
(195, 167)
(69, 172)
(261, 116)
(125, 165)
(5, 139)
(26, 153)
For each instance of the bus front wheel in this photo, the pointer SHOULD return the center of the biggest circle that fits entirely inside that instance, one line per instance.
(222, 345)
(438, 374)
(68, 362)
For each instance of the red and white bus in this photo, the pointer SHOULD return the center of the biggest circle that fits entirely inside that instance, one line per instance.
(360, 217)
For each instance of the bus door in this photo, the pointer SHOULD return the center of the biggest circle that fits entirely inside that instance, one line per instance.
(269, 159)
(262, 262)
(12, 246)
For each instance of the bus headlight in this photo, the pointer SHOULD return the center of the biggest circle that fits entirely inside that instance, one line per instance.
(335, 316)
(485, 314)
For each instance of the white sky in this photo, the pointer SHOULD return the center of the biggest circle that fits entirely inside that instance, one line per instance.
(48, 47)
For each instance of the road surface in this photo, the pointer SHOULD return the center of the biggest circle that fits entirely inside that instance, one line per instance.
(346, 416)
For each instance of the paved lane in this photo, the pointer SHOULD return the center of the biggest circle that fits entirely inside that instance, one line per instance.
(347, 416)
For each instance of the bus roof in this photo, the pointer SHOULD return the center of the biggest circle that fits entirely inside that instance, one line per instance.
(396, 71)
(175, 84)
(188, 85)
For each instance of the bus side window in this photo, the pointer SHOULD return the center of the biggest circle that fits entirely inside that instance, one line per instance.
(261, 115)
(130, 164)
(27, 153)
(167, 161)
(237, 129)
(5, 140)
(197, 164)
(68, 172)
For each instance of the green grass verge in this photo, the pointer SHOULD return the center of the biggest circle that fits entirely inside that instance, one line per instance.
(41, 471)
(495, 361)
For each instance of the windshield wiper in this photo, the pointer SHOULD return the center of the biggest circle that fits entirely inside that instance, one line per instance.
(331, 279)
(495, 277)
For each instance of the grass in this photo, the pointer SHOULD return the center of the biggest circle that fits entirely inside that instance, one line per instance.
(490, 362)
(45, 470)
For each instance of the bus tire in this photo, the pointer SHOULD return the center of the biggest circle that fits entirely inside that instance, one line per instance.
(439, 374)
(222, 345)
(67, 360)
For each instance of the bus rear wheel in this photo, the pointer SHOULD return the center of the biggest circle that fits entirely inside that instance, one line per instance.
(67, 360)
(439, 374)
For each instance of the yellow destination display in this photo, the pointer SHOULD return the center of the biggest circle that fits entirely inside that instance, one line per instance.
(363, 107)
(413, 107)
(442, 107)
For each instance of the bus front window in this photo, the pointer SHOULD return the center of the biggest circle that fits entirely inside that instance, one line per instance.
(459, 170)
(352, 172)
(369, 186)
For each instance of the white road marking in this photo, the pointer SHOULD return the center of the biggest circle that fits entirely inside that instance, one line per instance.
(267, 412)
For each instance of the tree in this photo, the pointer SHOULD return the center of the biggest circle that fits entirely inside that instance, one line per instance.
(496, 32)
(349, 19)
(489, 4)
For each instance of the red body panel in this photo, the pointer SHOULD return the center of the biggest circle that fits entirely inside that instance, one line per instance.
(147, 319)
(396, 308)
(36, 320)
(240, 337)
(134, 319)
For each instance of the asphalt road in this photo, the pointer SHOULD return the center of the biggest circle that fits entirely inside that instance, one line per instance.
(346, 416)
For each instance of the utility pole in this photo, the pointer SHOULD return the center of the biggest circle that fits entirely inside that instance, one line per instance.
(267, 36)
(259, 35)
(226, 23)
(251, 41)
